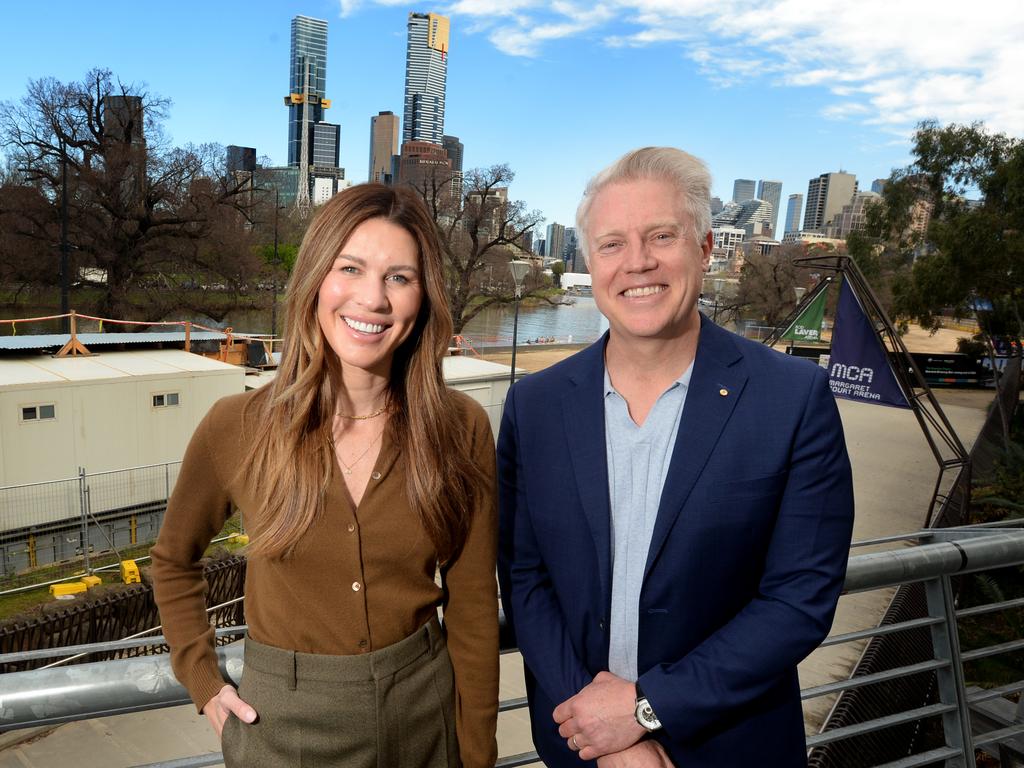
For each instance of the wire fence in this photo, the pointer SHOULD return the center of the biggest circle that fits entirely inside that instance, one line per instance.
(64, 528)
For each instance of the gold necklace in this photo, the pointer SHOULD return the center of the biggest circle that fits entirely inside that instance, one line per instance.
(347, 468)
(373, 415)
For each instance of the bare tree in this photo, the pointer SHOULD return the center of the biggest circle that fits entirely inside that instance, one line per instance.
(481, 230)
(767, 282)
(145, 220)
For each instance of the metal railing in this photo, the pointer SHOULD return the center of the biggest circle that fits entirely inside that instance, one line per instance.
(115, 687)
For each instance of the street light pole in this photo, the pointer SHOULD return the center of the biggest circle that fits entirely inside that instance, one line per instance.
(65, 257)
(273, 300)
(519, 269)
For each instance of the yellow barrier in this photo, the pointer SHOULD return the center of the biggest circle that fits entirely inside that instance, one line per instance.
(68, 588)
(130, 572)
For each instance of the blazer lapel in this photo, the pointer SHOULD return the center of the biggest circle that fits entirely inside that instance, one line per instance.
(583, 411)
(715, 387)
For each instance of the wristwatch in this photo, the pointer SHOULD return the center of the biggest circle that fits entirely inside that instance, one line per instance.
(645, 712)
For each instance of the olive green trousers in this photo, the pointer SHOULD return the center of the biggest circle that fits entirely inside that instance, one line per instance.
(391, 708)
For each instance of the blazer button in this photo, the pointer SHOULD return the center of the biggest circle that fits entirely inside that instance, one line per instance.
(600, 625)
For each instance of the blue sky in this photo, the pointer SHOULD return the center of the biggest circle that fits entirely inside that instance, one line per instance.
(764, 90)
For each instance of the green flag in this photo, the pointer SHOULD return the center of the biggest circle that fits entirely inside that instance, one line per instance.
(807, 327)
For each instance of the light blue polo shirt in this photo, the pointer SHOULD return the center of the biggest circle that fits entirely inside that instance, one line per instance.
(638, 461)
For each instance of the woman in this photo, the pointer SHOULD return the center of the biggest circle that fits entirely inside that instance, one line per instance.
(359, 474)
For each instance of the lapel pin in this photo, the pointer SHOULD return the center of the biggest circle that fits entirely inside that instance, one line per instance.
(723, 392)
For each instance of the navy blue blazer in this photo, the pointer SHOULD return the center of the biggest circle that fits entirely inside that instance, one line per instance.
(745, 566)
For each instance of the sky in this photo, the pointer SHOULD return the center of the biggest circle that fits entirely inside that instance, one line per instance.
(759, 89)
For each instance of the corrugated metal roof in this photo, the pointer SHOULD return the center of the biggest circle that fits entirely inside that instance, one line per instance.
(464, 368)
(58, 340)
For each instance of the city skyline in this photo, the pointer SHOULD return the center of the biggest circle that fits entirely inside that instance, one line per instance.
(557, 98)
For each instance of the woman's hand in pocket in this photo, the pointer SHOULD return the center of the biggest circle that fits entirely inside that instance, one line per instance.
(223, 705)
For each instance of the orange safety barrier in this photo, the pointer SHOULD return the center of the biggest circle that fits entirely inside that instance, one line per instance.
(75, 347)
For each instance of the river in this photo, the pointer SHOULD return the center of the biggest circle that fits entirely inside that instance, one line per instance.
(579, 322)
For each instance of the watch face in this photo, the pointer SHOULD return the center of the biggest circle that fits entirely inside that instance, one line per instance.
(645, 715)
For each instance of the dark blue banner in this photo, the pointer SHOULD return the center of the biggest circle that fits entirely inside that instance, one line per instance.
(858, 367)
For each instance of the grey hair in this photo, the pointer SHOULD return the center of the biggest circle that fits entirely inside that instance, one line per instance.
(680, 169)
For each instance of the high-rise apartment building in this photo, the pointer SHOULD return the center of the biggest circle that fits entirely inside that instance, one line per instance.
(554, 242)
(826, 196)
(852, 217)
(771, 192)
(383, 146)
(124, 120)
(878, 186)
(455, 149)
(742, 190)
(426, 76)
(314, 145)
(307, 80)
(241, 159)
(753, 216)
(793, 208)
(422, 162)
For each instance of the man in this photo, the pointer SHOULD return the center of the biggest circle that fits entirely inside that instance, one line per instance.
(676, 506)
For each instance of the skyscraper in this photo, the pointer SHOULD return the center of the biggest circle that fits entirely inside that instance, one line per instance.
(826, 196)
(426, 75)
(241, 159)
(454, 148)
(771, 192)
(555, 242)
(796, 202)
(383, 145)
(308, 59)
(314, 145)
(742, 190)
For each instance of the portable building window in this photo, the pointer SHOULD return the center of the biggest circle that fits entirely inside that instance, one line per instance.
(44, 411)
(165, 400)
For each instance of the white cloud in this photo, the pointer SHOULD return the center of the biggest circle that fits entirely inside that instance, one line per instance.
(887, 62)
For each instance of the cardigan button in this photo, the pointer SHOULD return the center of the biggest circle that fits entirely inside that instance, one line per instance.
(351, 527)
(356, 586)
(375, 475)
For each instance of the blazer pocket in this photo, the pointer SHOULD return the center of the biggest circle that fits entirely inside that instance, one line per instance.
(720, 492)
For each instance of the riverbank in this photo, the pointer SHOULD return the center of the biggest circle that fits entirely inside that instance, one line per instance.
(536, 357)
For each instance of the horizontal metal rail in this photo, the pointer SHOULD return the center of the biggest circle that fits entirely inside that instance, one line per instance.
(877, 677)
(875, 570)
(880, 723)
(884, 629)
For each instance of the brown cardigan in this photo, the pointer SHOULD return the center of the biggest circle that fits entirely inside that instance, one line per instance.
(359, 579)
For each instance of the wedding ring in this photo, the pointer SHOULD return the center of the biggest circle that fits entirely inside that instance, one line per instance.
(575, 746)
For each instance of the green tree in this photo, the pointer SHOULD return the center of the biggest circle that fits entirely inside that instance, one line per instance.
(557, 270)
(962, 250)
(146, 219)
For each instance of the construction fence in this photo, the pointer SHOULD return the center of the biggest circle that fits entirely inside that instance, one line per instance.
(55, 530)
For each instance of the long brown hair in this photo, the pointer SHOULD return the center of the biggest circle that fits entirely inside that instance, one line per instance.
(290, 458)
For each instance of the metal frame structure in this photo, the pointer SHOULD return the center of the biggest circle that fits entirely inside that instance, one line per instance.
(937, 430)
(61, 694)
